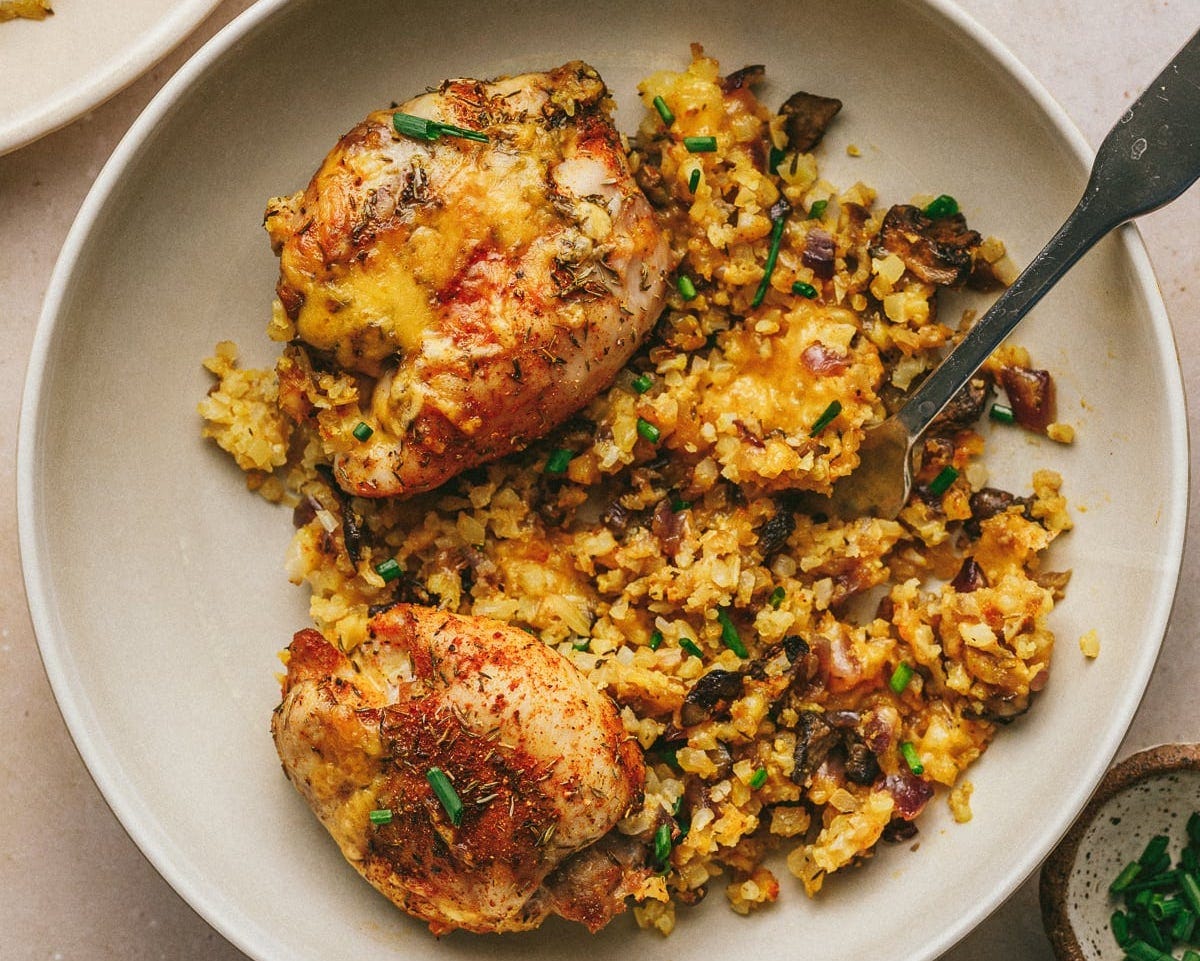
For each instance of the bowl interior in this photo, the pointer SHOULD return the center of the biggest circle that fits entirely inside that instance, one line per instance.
(53, 70)
(156, 580)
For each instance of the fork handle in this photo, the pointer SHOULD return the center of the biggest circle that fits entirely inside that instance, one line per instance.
(1149, 158)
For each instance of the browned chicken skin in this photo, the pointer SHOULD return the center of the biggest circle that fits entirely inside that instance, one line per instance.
(536, 755)
(476, 293)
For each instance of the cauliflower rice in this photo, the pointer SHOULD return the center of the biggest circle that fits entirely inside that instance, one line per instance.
(799, 684)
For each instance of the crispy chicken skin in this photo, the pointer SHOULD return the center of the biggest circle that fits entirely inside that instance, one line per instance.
(537, 756)
(479, 293)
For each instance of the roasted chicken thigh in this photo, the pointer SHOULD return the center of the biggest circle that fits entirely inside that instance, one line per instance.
(462, 274)
(465, 769)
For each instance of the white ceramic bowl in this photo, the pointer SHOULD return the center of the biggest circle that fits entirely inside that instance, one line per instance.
(155, 580)
(54, 70)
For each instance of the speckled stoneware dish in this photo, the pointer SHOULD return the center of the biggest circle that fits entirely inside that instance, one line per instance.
(1151, 792)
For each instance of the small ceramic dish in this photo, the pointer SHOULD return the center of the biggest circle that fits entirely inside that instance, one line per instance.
(1149, 793)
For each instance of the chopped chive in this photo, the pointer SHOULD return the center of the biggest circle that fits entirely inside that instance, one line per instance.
(826, 418)
(381, 816)
(1128, 875)
(1002, 414)
(656, 639)
(648, 431)
(389, 570)
(817, 210)
(912, 758)
(664, 111)
(1162, 908)
(687, 289)
(662, 845)
(804, 290)
(777, 597)
(422, 129)
(446, 794)
(694, 179)
(940, 484)
(1193, 828)
(758, 778)
(642, 383)
(1164, 879)
(1185, 924)
(900, 677)
(679, 504)
(774, 158)
(772, 257)
(1189, 860)
(1119, 923)
(558, 460)
(700, 144)
(583, 644)
(362, 430)
(941, 206)
(1155, 848)
(410, 126)
(729, 634)
(453, 131)
(1190, 890)
(1141, 951)
(691, 647)
(1190, 955)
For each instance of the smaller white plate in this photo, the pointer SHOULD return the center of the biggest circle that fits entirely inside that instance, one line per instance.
(54, 70)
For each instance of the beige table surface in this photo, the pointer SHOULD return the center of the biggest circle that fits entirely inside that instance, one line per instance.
(73, 886)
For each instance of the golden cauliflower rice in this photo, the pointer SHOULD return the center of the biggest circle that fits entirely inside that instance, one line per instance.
(799, 684)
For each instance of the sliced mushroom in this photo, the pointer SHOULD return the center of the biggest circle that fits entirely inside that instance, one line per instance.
(806, 117)
(938, 251)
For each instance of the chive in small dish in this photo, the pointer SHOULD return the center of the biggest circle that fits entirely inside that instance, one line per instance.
(1125, 880)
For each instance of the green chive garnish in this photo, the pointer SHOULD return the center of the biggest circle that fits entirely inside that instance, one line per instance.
(941, 206)
(940, 484)
(700, 144)
(381, 816)
(777, 597)
(662, 844)
(362, 430)
(679, 504)
(772, 256)
(691, 647)
(1119, 923)
(446, 794)
(687, 289)
(389, 570)
(557, 462)
(1002, 414)
(642, 383)
(656, 639)
(1191, 890)
(826, 418)
(912, 758)
(729, 634)
(804, 290)
(774, 158)
(1155, 851)
(664, 111)
(817, 210)
(758, 778)
(648, 431)
(694, 180)
(900, 677)
(1127, 876)
(582, 645)
(421, 129)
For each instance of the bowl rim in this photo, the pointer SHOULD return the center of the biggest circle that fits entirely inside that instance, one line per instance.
(122, 797)
(110, 76)
(1055, 875)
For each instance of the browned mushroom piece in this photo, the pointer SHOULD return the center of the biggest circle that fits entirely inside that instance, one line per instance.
(1031, 394)
(938, 251)
(806, 117)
